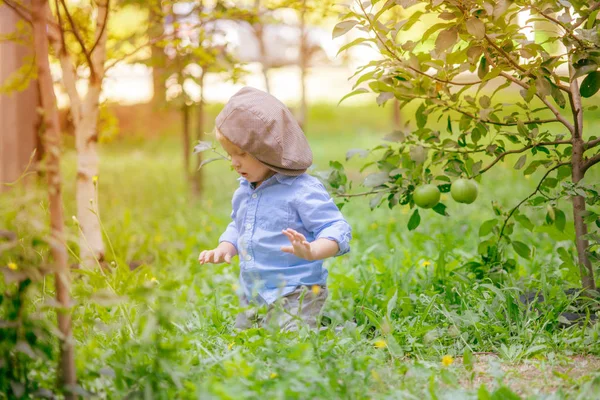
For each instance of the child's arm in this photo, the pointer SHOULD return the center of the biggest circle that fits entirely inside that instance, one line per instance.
(323, 219)
(226, 249)
(224, 252)
(317, 250)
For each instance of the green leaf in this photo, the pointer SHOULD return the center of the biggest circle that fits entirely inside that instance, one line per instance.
(440, 208)
(533, 166)
(376, 179)
(468, 359)
(353, 93)
(590, 85)
(446, 39)
(486, 228)
(560, 220)
(522, 249)
(202, 146)
(421, 116)
(476, 27)
(482, 393)
(483, 68)
(524, 221)
(414, 221)
(362, 153)
(521, 162)
(591, 19)
(343, 27)
(504, 393)
(352, 44)
(392, 304)
(209, 160)
(449, 125)
(584, 67)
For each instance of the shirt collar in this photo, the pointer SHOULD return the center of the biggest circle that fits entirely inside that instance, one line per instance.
(281, 178)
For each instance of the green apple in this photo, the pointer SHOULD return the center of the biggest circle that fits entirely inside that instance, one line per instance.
(464, 191)
(426, 196)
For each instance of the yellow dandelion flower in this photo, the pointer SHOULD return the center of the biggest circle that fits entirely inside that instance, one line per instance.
(95, 179)
(154, 280)
(426, 263)
(374, 225)
(447, 360)
(13, 266)
(316, 289)
(380, 344)
(230, 345)
(273, 375)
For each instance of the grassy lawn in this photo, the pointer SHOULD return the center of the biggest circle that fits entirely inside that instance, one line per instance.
(399, 303)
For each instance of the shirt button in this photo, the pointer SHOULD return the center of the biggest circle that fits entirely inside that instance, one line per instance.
(254, 195)
(248, 257)
(248, 226)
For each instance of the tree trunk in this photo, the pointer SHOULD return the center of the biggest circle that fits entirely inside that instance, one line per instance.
(303, 61)
(577, 173)
(197, 174)
(91, 244)
(57, 243)
(259, 32)
(156, 29)
(19, 126)
(186, 140)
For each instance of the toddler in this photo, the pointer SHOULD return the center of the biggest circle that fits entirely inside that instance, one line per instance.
(284, 223)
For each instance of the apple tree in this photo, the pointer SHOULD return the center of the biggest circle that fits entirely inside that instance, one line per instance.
(486, 87)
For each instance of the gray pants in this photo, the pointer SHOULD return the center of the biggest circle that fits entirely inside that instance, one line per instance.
(303, 305)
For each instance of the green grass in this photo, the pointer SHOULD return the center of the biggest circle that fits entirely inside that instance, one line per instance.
(399, 301)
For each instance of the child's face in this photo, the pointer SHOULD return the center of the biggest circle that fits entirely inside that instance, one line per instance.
(245, 164)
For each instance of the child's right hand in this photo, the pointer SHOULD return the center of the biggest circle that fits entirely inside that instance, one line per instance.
(223, 253)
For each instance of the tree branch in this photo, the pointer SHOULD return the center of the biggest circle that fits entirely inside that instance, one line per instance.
(590, 162)
(557, 22)
(518, 82)
(137, 50)
(583, 19)
(591, 144)
(60, 30)
(507, 56)
(103, 27)
(78, 37)
(501, 234)
(504, 154)
(364, 193)
(25, 13)
(491, 122)
(485, 121)
(393, 54)
(20, 10)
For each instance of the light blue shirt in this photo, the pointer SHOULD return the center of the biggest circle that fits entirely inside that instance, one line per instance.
(259, 215)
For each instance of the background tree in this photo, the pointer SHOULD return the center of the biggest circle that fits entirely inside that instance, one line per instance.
(309, 13)
(52, 144)
(197, 46)
(19, 140)
(90, 55)
(464, 74)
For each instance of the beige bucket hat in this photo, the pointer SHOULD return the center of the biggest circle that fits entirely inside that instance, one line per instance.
(261, 125)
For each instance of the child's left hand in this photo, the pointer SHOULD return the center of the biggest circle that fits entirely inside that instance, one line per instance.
(300, 247)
